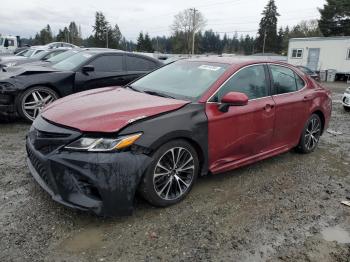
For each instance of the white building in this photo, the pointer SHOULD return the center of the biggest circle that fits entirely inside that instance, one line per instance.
(321, 53)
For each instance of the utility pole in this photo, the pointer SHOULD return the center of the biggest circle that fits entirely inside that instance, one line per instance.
(193, 27)
(106, 37)
(264, 42)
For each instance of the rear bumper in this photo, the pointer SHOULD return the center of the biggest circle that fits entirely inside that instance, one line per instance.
(103, 183)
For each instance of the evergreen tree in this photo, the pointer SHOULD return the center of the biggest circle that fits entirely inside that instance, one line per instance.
(268, 40)
(44, 36)
(74, 34)
(115, 37)
(335, 18)
(140, 42)
(100, 29)
(148, 44)
(280, 38)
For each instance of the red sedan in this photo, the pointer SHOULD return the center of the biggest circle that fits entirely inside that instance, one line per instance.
(93, 150)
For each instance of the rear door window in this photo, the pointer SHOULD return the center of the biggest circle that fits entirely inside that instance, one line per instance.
(283, 79)
(134, 63)
(108, 63)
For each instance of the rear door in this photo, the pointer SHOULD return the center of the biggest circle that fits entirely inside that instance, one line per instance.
(243, 131)
(137, 66)
(292, 100)
(109, 70)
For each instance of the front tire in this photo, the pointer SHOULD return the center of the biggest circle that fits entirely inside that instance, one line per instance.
(311, 135)
(31, 102)
(171, 174)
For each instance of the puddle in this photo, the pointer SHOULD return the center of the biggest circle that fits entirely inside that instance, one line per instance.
(336, 234)
(83, 241)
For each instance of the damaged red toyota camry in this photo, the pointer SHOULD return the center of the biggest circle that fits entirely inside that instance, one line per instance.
(94, 150)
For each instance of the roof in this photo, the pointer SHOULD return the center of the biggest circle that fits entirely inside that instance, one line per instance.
(237, 60)
(320, 38)
(101, 50)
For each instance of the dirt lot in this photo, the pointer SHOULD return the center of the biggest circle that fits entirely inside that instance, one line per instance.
(286, 208)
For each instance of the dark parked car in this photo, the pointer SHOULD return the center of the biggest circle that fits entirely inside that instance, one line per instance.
(95, 149)
(42, 56)
(310, 72)
(26, 90)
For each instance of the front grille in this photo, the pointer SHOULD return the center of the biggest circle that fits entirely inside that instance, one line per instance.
(47, 142)
(40, 169)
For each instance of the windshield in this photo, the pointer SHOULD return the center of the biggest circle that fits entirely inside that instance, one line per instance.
(40, 55)
(183, 79)
(62, 56)
(22, 53)
(26, 53)
(72, 62)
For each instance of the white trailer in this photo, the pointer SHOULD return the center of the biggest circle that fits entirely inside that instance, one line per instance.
(321, 53)
(8, 44)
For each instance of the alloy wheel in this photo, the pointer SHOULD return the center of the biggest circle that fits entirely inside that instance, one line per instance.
(174, 173)
(34, 102)
(312, 134)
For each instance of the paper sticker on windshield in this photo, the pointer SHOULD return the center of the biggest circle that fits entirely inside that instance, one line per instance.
(209, 67)
(86, 55)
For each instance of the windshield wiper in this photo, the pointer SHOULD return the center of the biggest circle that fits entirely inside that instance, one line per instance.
(157, 94)
(133, 88)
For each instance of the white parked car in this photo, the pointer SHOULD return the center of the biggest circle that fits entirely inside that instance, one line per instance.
(21, 55)
(59, 45)
(346, 99)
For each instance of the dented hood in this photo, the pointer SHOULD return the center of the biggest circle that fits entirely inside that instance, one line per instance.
(107, 109)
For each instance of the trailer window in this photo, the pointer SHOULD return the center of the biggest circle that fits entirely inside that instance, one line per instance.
(297, 53)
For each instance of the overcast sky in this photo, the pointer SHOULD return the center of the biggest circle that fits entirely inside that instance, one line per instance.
(26, 17)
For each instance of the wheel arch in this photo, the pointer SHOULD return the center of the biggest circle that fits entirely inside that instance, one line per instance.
(202, 158)
(322, 117)
(48, 85)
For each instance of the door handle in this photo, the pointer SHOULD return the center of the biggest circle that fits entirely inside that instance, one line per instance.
(268, 107)
(307, 98)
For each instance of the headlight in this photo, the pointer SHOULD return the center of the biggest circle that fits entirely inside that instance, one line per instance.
(4, 86)
(10, 64)
(347, 91)
(103, 144)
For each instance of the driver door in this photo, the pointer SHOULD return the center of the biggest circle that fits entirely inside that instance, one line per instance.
(244, 131)
(109, 70)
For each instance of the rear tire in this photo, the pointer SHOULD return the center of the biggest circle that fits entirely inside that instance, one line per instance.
(171, 174)
(31, 102)
(311, 135)
(347, 108)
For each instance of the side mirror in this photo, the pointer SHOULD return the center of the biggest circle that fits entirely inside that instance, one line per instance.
(88, 68)
(233, 99)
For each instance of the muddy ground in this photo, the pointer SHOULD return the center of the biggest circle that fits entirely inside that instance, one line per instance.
(286, 208)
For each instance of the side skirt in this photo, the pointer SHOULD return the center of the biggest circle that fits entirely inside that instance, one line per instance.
(249, 160)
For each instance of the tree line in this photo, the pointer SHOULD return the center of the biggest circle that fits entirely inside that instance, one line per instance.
(334, 21)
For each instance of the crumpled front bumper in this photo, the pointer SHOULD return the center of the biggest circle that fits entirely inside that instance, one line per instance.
(104, 183)
(7, 105)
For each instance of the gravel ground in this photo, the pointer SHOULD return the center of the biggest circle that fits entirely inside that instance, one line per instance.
(286, 208)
